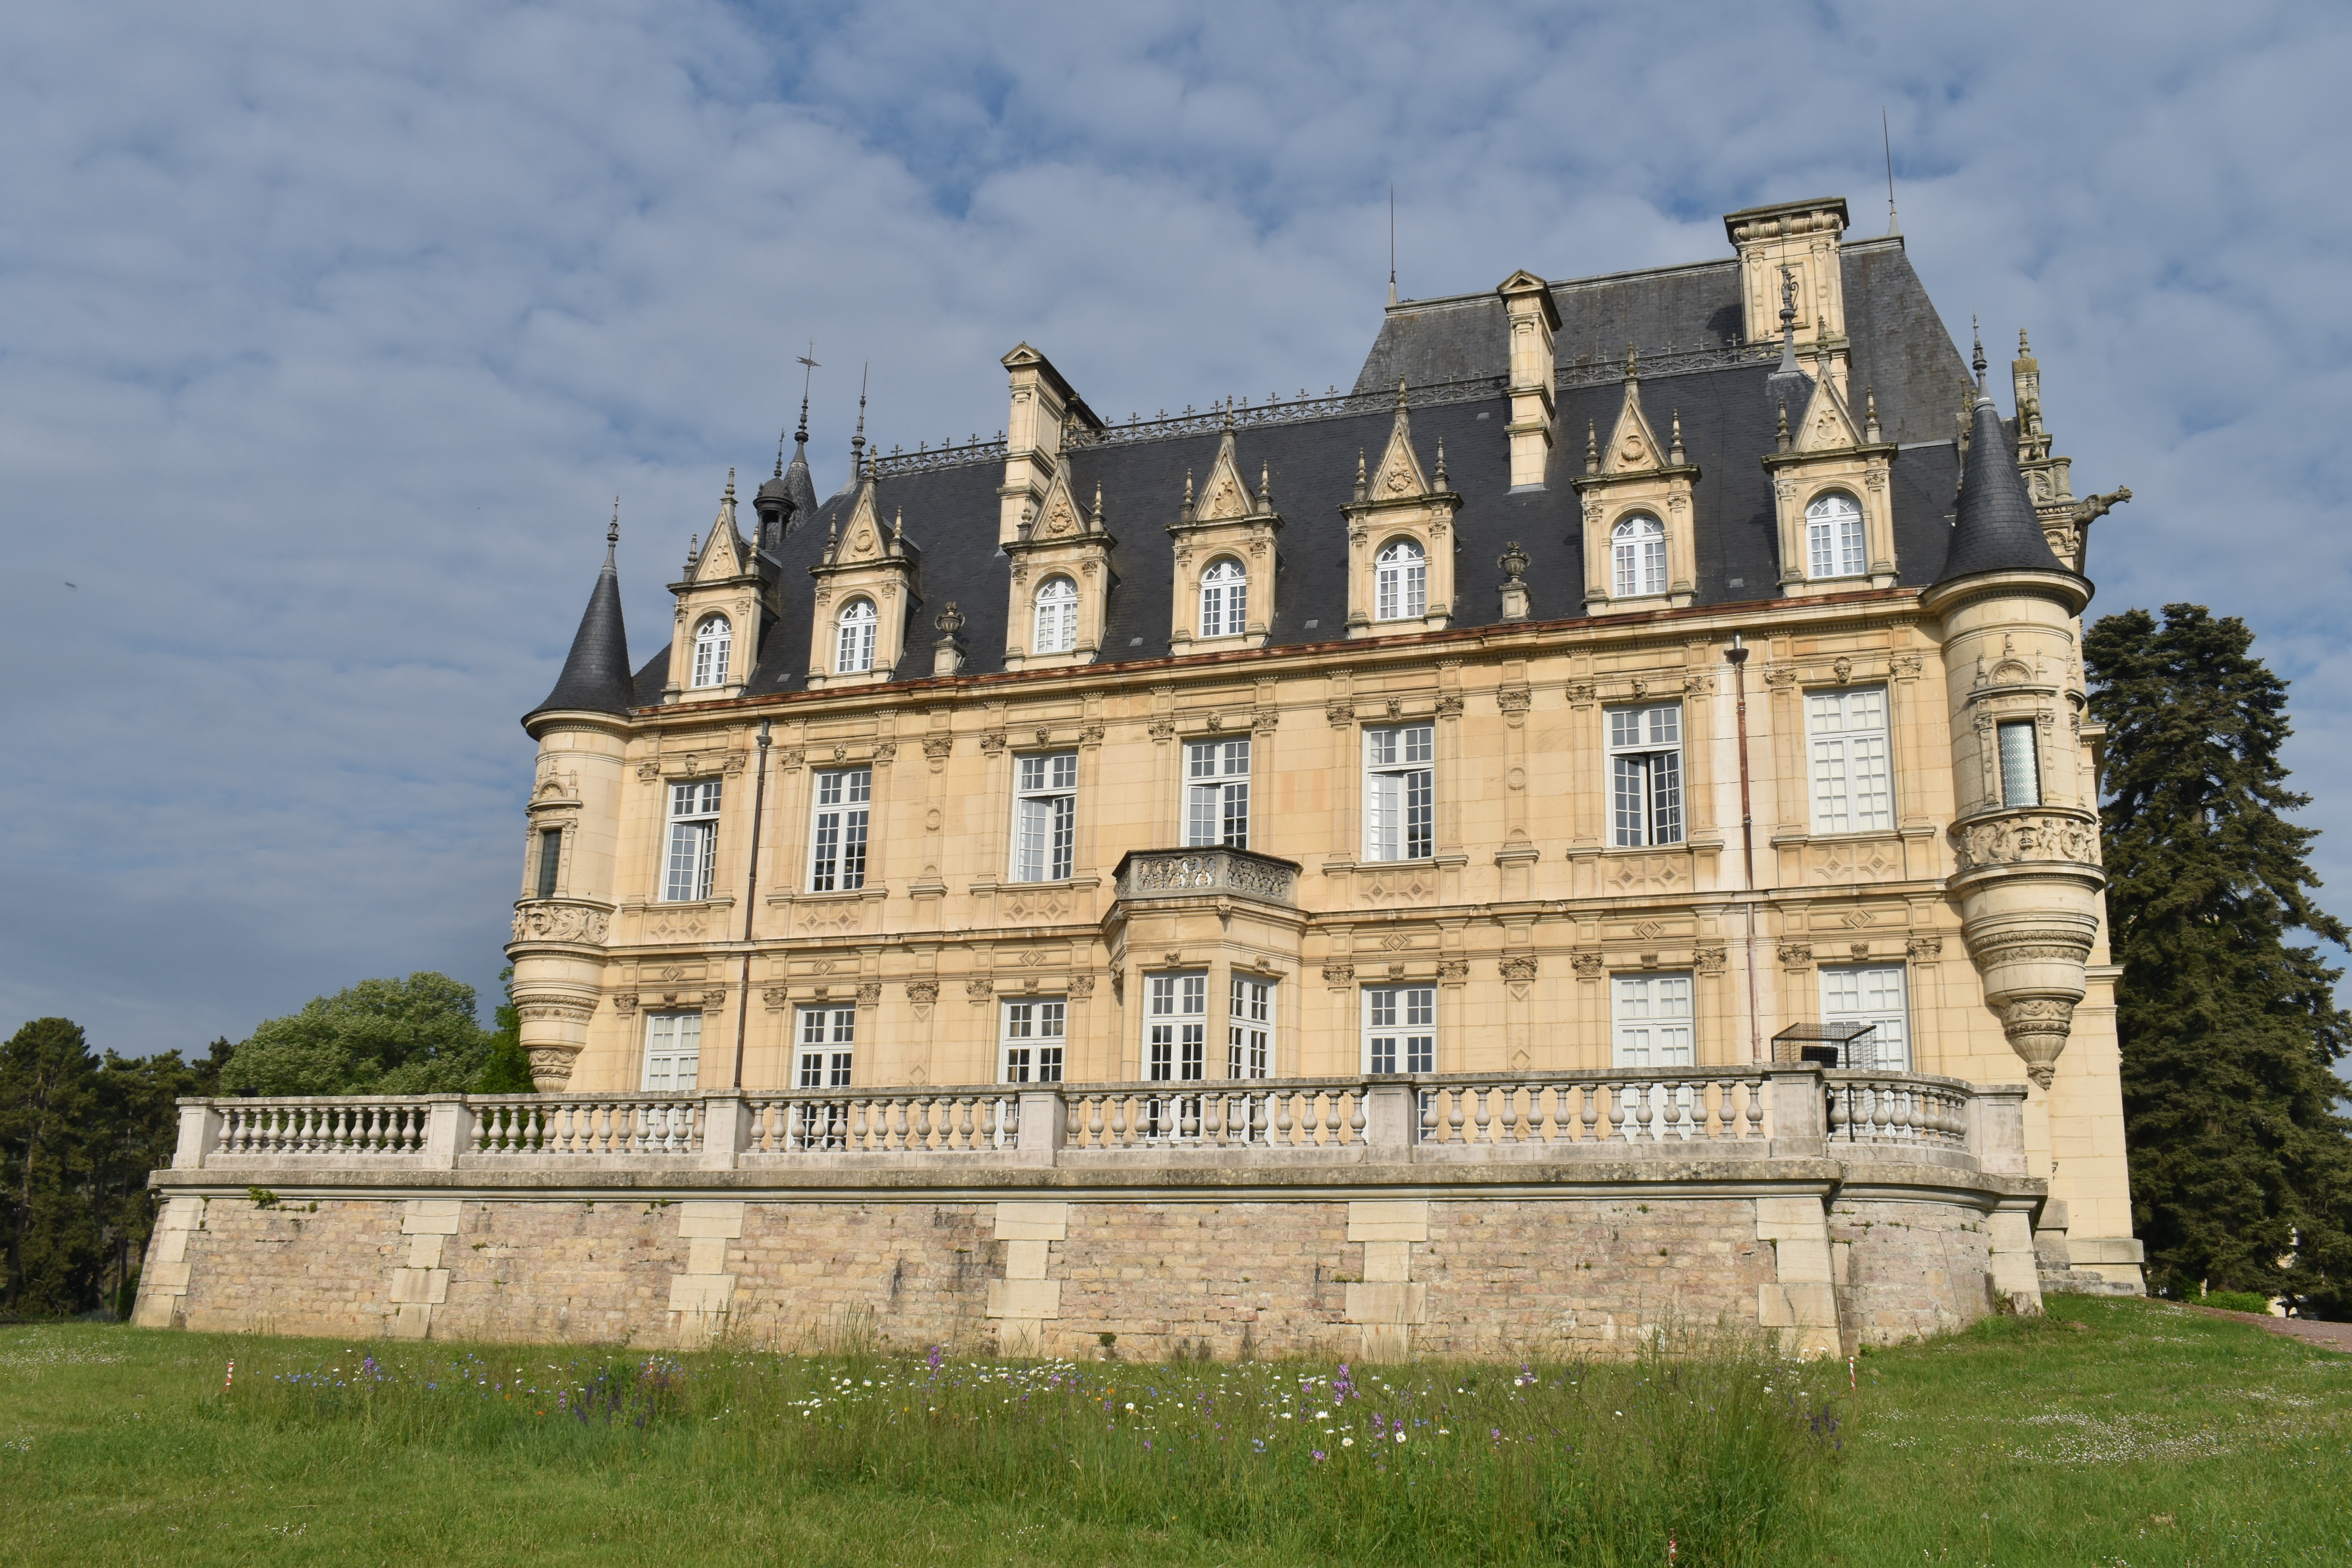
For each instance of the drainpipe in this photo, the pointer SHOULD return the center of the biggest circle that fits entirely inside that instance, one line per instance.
(1737, 654)
(752, 900)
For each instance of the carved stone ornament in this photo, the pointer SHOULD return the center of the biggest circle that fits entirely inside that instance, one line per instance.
(2008, 840)
(1081, 987)
(1454, 970)
(979, 990)
(560, 922)
(886, 750)
(1780, 677)
(1338, 973)
(2037, 1028)
(1583, 691)
(1265, 720)
(1091, 735)
(937, 747)
(1908, 664)
(991, 742)
(1450, 706)
(550, 1068)
(1794, 953)
(1340, 712)
(1588, 966)
(1522, 967)
(1843, 670)
(624, 1002)
(1709, 960)
(715, 997)
(773, 997)
(1513, 699)
(1921, 948)
(922, 993)
(1162, 729)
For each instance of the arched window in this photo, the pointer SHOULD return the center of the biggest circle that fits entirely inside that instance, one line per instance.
(855, 650)
(1400, 583)
(1057, 616)
(1637, 550)
(713, 641)
(1834, 537)
(1225, 599)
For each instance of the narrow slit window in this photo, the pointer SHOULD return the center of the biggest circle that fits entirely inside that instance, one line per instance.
(550, 859)
(2021, 763)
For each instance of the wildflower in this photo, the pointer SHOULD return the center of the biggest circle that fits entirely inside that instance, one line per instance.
(1130, 1405)
(1318, 1454)
(1347, 1442)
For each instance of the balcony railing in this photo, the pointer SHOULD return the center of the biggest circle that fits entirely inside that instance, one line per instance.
(1150, 874)
(1688, 1112)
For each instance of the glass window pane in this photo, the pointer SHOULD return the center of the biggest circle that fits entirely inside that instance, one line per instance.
(2020, 770)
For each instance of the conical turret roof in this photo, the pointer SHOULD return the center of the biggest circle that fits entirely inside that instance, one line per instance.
(1995, 529)
(596, 676)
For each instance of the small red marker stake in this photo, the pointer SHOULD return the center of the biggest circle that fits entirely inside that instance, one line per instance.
(230, 1379)
(1852, 1386)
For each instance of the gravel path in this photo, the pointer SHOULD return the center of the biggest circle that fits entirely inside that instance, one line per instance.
(2327, 1336)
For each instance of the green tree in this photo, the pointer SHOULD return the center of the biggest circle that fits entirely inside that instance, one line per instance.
(136, 1131)
(49, 1107)
(507, 1069)
(2241, 1166)
(415, 1035)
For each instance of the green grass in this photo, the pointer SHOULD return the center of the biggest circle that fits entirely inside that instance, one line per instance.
(2109, 1432)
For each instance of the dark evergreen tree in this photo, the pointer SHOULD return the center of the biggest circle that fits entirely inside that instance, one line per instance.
(49, 1107)
(2241, 1166)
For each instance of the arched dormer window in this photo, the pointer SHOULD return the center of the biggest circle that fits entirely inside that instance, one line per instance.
(1225, 599)
(1057, 616)
(1400, 583)
(713, 640)
(854, 649)
(1833, 546)
(1637, 550)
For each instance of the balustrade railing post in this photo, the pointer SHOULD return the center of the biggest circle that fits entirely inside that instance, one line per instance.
(446, 1123)
(1391, 1121)
(1996, 1130)
(200, 1130)
(726, 1130)
(1044, 1125)
(1799, 1112)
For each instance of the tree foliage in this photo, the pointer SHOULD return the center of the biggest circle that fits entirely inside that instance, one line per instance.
(506, 1070)
(2241, 1166)
(415, 1035)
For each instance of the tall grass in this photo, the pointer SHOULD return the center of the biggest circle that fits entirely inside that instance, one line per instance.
(1708, 1446)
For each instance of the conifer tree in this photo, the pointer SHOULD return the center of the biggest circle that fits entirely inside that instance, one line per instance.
(2241, 1166)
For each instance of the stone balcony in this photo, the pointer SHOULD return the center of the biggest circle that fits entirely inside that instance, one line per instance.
(1147, 876)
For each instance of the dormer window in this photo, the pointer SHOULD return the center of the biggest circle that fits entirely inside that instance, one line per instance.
(1833, 541)
(1637, 550)
(1057, 616)
(713, 640)
(1225, 599)
(854, 649)
(1400, 583)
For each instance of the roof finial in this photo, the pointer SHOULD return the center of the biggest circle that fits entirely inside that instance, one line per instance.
(1591, 448)
(809, 360)
(1363, 485)
(1978, 363)
(613, 534)
(1400, 395)
(1264, 487)
(858, 441)
(1893, 224)
(2024, 349)
(1187, 513)
(1098, 521)
(1632, 365)
(1441, 462)
(898, 527)
(1393, 293)
(1675, 448)
(730, 483)
(1788, 322)
(1869, 431)
(1781, 434)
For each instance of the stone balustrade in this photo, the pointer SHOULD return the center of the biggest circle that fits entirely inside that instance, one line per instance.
(1145, 875)
(1690, 1113)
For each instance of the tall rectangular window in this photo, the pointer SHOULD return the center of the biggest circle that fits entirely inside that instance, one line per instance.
(1873, 994)
(550, 859)
(1176, 1028)
(838, 830)
(1216, 793)
(1400, 801)
(828, 1046)
(1645, 774)
(1848, 733)
(2021, 763)
(1044, 816)
(1033, 1036)
(1651, 1014)
(673, 1051)
(693, 840)
(1249, 1028)
(1400, 1028)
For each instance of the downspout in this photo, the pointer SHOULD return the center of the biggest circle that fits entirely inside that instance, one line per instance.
(752, 900)
(1737, 654)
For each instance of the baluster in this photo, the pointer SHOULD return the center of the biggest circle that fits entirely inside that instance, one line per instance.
(1454, 1113)
(1883, 1114)
(1257, 1133)
(967, 1103)
(1841, 1109)
(1282, 1122)
(1212, 1125)
(988, 1121)
(1119, 1121)
(1481, 1120)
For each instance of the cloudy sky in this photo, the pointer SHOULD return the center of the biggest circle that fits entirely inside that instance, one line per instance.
(328, 333)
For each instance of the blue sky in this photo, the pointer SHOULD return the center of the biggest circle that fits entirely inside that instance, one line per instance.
(331, 331)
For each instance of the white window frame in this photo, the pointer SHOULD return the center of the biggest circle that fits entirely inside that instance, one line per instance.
(714, 642)
(853, 646)
(1251, 1004)
(1225, 598)
(841, 819)
(1851, 750)
(1057, 616)
(1401, 581)
(825, 1046)
(693, 854)
(1217, 793)
(1647, 800)
(1400, 1028)
(673, 1050)
(1878, 995)
(2018, 750)
(1637, 556)
(1834, 543)
(1176, 1026)
(1044, 816)
(1401, 792)
(1652, 1020)
(1033, 1039)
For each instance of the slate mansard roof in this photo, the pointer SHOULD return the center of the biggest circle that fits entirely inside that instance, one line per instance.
(1684, 321)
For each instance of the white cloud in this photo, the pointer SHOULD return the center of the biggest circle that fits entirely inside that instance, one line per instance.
(333, 330)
